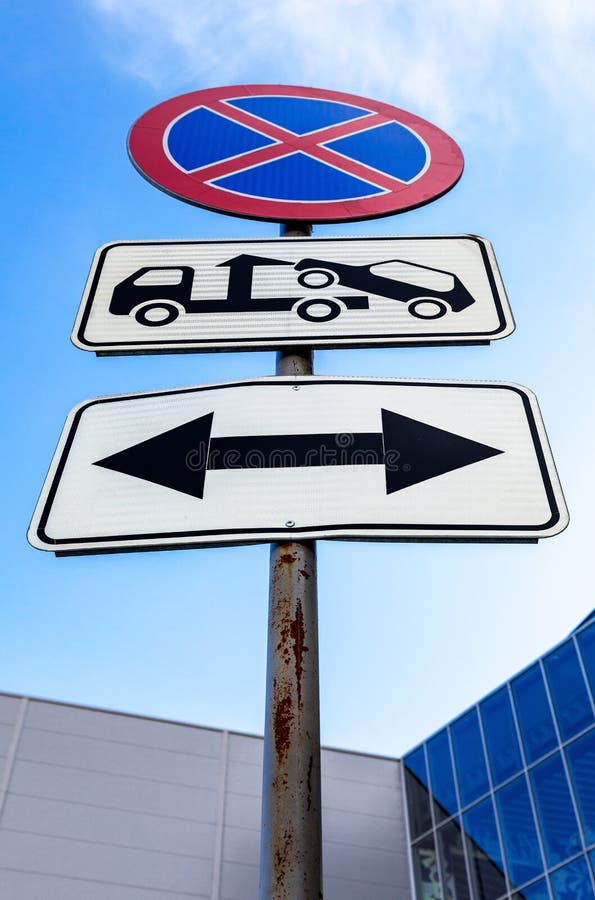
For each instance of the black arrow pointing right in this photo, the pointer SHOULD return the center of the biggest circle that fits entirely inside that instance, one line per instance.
(410, 451)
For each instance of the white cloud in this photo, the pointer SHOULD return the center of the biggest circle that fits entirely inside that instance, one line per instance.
(463, 64)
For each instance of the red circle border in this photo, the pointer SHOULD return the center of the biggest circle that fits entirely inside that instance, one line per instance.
(145, 147)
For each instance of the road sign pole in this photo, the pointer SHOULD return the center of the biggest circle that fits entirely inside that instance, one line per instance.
(291, 836)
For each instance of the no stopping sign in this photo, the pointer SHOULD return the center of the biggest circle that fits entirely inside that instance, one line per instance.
(279, 153)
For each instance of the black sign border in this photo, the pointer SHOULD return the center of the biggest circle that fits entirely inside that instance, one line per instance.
(189, 345)
(289, 533)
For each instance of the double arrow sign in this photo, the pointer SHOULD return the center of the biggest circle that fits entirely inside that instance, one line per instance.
(410, 452)
(320, 457)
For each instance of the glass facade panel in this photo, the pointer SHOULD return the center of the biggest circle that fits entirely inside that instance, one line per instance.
(533, 711)
(537, 891)
(568, 689)
(581, 761)
(452, 862)
(586, 642)
(442, 777)
(521, 844)
(469, 757)
(501, 738)
(418, 796)
(425, 865)
(555, 811)
(483, 847)
(572, 882)
(511, 812)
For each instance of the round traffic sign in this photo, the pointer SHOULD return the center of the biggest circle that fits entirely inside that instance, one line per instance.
(286, 153)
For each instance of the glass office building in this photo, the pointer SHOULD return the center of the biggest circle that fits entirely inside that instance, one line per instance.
(501, 802)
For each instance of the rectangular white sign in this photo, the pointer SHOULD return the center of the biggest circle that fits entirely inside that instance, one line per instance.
(301, 458)
(165, 296)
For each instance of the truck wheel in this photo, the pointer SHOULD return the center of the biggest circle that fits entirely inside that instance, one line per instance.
(316, 278)
(163, 315)
(427, 308)
(334, 310)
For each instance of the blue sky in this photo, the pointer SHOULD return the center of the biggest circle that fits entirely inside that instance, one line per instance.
(410, 634)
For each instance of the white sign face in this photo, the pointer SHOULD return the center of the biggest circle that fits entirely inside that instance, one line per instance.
(165, 296)
(300, 458)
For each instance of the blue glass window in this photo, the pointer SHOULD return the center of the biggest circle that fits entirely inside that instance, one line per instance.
(537, 891)
(533, 711)
(518, 832)
(470, 761)
(418, 798)
(586, 642)
(425, 863)
(572, 882)
(581, 760)
(569, 692)
(555, 811)
(443, 782)
(500, 734)
(452, 862)
(484, 850)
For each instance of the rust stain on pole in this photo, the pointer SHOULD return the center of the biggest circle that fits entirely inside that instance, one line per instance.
(282, 722)
(286, 559)
(299, 648)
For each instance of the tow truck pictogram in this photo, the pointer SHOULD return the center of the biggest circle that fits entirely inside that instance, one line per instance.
(155, 303)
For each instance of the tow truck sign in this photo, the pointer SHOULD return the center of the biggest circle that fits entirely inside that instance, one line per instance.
(165, 296)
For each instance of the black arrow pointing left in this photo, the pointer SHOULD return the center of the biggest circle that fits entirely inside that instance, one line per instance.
(409, 450)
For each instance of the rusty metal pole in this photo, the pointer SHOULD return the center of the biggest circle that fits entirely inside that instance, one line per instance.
(291, 834)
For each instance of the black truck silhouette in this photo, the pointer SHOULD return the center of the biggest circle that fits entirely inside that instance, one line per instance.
(158, 303)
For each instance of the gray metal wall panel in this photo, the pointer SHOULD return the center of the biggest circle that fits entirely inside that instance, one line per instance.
(360, 829)
(402, 879)
(9, 709)
(355, 767)
(343, 889)
(242, 811)
(97, 862)
(6, 733)
(353, 796)
(243, 748)
(112, 807)
(244, 778)
(108, 826)
(360, 863)
(239, 882)
(241, 845)
(30, 886)
(117, 791)
(118, 758)
(128, 729)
